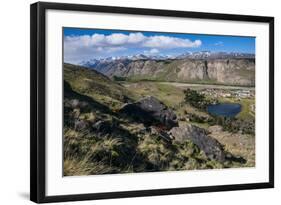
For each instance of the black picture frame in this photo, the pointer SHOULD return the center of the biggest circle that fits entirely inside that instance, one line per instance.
(38, 101)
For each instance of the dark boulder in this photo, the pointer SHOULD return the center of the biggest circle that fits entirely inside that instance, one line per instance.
(210, 146)
(150, 110)
(101, 126)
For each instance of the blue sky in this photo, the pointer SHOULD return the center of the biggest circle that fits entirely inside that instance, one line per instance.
(85, 44)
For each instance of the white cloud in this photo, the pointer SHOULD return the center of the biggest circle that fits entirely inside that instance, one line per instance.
(117, 39)
(85, 46)
(135, 38)
(114, 49)
(97, 39)
(152, 51)
(219, 43)
(170, 42)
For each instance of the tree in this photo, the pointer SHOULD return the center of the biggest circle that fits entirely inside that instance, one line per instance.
(194, 98)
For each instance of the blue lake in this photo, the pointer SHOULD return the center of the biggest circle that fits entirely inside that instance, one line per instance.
(224, 109)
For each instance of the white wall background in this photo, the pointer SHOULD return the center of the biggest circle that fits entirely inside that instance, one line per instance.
(14, 101)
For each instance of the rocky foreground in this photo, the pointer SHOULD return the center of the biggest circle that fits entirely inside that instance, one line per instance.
(108, 130)
(150, 110)
(153, 122)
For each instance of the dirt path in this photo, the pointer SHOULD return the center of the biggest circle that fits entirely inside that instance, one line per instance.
(186, 85)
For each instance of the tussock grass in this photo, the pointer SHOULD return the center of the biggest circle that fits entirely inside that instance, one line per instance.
(86, 154)
(126, 146)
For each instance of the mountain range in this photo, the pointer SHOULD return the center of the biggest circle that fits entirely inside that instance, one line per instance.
(192, 67)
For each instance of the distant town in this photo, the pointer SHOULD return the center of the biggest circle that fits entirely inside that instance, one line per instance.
(239, 94)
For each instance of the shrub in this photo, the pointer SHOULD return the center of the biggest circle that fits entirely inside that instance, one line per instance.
(119, 78)
(195, 99)
(234, 125)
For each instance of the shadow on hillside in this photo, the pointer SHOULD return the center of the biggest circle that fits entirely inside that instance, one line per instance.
(237, 159)
(71, 94)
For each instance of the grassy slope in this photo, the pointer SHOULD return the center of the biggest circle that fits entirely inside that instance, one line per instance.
(170, 95)
(93, 84)
(126, 149)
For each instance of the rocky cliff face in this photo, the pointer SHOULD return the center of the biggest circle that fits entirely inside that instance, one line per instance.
(233, 71)
(225, 71)
(221, 71)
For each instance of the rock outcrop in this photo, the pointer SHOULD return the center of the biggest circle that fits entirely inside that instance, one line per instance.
(211, 147)
(150, 110)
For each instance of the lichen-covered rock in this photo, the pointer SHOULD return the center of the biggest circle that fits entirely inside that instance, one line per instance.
(215, 129)
(80, 124)
(211, 147)
(75, 103)
(150, 110)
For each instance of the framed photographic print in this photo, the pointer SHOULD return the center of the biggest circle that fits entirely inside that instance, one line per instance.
(129, 102)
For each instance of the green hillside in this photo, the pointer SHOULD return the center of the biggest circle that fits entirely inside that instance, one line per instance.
(100, 139)
(96, 85)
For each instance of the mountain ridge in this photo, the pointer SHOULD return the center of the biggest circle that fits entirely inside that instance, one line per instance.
(189, 55)
(197, 67)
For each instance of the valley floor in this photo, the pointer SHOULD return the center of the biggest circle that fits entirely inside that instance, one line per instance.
(172, 94)
(193, 85)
